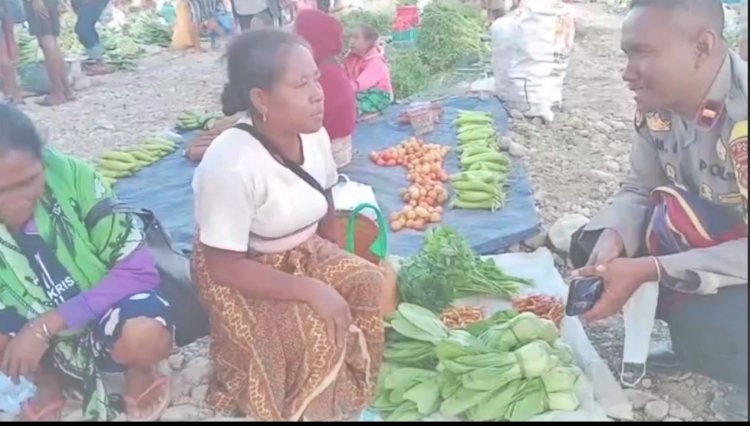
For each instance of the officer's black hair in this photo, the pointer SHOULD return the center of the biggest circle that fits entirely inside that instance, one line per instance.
(255, 60)
(712, 11)
(17, 132)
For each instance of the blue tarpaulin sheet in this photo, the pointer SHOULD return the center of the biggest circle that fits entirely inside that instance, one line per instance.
(165, 187)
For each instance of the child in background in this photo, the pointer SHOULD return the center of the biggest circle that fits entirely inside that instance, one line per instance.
(368, 72)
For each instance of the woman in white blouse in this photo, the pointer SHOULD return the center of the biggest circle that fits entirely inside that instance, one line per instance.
(296, 326)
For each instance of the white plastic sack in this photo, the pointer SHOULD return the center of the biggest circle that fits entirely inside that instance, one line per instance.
(531, 48)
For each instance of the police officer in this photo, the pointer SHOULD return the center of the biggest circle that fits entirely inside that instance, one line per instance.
(690, 133)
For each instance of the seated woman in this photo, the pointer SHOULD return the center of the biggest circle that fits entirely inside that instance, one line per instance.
(368, 72)
(75, 301)
(296, 326)
(324, 33)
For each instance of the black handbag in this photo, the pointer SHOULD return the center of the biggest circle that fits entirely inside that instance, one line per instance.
(176, 284)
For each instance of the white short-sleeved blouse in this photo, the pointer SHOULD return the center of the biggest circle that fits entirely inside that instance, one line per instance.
(245, 200)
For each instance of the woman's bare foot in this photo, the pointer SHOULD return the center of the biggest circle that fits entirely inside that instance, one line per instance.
(147, 394)
(53, 99)
(48, 402)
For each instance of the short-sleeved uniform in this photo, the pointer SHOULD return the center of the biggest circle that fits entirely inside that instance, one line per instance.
(706, 156)
(246, 201)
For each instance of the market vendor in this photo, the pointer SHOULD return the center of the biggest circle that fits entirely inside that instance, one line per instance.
(75, 301)
(681, 216)
(324, 33)
(296, 325)
(368, 71)
(43, 21)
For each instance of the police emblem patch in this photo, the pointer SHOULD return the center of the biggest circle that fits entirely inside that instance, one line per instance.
(657, 123)
(738, 153)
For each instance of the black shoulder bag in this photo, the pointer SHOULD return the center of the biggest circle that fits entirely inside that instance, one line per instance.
(176, 284)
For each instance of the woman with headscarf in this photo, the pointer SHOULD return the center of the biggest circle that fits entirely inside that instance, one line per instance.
(325, 33)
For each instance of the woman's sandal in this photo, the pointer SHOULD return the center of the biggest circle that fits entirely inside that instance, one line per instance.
(159, 410)
(29, 415)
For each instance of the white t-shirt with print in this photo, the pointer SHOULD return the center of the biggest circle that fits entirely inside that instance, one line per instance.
(246, 200)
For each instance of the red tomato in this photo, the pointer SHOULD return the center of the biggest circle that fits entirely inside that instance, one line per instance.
(380, 162)
(391, 162)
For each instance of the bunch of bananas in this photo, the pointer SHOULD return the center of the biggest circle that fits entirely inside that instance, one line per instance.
(114, 165)
(150, 29)
(28, 49)
(188, 120)
(120, 49)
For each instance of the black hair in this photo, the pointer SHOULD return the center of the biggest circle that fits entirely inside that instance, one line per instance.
(711, 11)
(254, 61)
(324, 5)
(17, 132)
(370, 33)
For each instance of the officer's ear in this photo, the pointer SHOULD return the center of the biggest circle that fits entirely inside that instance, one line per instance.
(706, 45)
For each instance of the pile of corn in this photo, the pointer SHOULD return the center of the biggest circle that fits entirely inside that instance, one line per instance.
(512, 371)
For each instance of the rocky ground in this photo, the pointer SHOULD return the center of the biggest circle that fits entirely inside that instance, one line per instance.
(575, 164)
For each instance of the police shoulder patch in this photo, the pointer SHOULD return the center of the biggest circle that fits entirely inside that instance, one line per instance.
(657, 123)
(738, 152)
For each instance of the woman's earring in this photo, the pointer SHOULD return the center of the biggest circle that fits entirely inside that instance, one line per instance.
(263, 117)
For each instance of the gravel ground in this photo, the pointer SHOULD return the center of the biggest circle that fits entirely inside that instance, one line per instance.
(575, 164)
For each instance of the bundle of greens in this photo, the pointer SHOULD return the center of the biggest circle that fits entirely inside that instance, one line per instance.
(449, 32)
(409, 73)
(149, 28)
(508, 367)
(380, 21)
(446, 268)
(513, 371)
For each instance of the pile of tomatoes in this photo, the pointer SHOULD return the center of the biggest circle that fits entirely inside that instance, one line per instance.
(427, 193)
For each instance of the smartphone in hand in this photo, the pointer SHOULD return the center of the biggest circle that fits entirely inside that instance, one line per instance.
(583, 293)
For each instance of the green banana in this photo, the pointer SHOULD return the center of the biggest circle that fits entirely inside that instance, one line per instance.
(117, 165)
(119, 156)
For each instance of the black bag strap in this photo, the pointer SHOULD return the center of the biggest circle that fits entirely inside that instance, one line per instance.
(294, 167)
(109, 205)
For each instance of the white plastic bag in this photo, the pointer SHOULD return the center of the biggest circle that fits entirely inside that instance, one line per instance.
(639, 314)
(13, 395)
(531, 48)
(348, 195)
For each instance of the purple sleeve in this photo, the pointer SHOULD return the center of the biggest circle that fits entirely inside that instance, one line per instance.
(135, 273)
